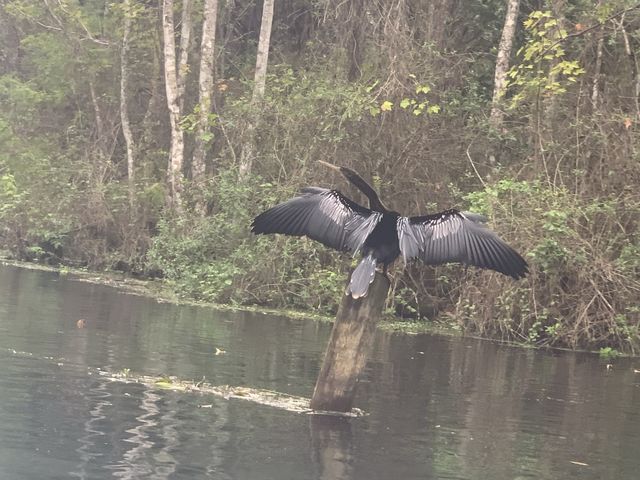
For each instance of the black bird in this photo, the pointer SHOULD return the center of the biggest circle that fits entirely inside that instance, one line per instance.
(382, 235)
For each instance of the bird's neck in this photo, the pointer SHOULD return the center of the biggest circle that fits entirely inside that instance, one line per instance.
(374, 200)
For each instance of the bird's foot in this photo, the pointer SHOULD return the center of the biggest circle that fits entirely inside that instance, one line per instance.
(384, 271)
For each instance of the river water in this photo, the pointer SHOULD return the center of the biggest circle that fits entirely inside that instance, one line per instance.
(437, 407)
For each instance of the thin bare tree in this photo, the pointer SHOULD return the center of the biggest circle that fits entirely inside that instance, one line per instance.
(260, 79)
(634, 66)
(205, 83)
(124, 114)
(595, 85)
(174, 77)
(183, 58)
(502, 61)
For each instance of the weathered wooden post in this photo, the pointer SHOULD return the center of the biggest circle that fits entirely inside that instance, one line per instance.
(349, 347)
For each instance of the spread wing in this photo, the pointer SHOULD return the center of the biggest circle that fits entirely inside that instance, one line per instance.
(323, 215)
(453, 236)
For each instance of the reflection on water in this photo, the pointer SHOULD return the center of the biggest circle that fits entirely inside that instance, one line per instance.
(332, 447)
(438, 407)
(90, 441)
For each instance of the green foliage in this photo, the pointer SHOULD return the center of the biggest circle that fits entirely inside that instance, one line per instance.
(49, 63)
(20, 98)
(217, 260)
(31, 206)
(609, 353)
(8, 192)
(419, 102)
(301, 93)
(189, 123)
(543, 67)
(583, 266)
(629, 259)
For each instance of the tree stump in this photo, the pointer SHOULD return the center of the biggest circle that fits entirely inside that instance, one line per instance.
(349, 348)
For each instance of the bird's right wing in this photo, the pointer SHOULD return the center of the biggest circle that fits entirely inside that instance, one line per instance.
(323, 215)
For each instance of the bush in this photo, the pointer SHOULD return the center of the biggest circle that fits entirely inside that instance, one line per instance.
(584, 282)
(216, 259)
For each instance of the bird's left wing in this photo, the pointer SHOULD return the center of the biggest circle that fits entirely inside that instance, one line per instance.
(453, 236)
(323, 215)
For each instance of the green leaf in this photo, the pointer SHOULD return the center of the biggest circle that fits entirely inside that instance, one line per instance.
(372, 86)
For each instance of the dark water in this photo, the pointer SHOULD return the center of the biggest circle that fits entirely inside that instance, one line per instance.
(438, 407)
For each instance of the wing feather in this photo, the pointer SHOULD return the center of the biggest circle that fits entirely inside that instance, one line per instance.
(326, 216)
(453, 236)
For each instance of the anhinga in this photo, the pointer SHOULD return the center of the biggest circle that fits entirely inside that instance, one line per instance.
(382, 235)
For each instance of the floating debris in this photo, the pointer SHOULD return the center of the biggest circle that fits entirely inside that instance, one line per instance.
(284, 401)
(270, 398)
(219, 351)
(19, 352)
(582, 464)
(81, 323)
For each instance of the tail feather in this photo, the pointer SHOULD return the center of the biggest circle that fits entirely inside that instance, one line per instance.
(362, 277)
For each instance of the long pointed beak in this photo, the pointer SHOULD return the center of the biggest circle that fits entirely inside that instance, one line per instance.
(330, 165)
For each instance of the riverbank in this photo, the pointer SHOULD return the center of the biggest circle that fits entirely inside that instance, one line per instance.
(162, 293)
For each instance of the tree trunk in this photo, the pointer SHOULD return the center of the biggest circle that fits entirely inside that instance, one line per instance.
(227, 11)
(634, 67)
(173, 103)
(100, 130)
(124, 114)
(205, 89)
(502, 61)
(595, 87)
(148, 139)
(183, 59)
(437, 11)
(262, 60)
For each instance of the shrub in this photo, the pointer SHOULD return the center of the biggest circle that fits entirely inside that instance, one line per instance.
(583, 287)
(216, 259)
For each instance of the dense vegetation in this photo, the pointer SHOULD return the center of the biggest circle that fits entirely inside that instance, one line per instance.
(400, 90)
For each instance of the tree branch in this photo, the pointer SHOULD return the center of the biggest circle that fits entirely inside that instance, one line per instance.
(591, 28)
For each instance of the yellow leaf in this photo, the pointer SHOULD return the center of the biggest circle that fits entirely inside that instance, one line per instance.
(386, 106)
